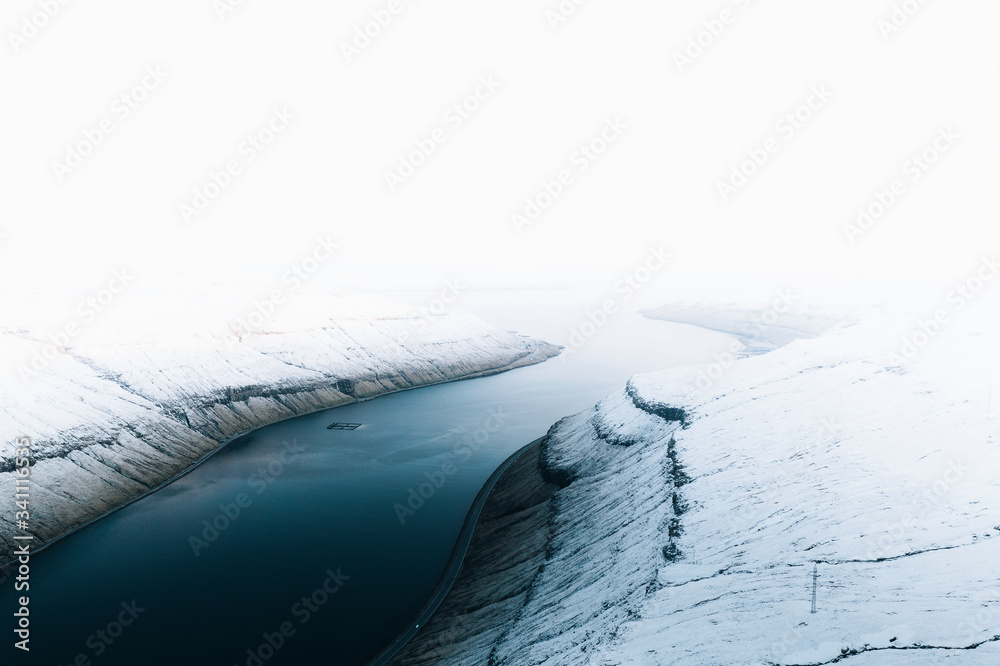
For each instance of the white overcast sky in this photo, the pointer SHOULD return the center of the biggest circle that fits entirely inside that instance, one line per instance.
(655, 186)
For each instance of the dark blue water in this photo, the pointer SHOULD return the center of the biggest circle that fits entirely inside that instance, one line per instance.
(330, 554)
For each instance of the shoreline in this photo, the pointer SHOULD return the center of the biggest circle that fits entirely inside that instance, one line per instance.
(455, 561)
(6, 565)
(432, 642)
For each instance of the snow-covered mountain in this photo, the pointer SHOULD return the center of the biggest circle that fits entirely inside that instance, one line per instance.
(118, 413)
(671, 526)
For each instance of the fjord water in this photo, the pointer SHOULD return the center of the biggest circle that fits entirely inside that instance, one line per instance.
(320, 510)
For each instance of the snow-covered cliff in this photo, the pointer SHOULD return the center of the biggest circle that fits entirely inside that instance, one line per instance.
(666, 526)
(129, 408)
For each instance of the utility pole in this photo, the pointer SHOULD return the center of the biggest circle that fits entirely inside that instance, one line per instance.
(815, 576)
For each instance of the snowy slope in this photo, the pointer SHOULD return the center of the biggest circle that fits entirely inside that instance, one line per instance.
(662, 543)
(779, 323)
(133, 405)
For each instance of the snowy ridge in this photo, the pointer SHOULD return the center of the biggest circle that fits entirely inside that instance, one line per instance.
(523, 578)
(119, 415)
(824, 452)
(762, 330)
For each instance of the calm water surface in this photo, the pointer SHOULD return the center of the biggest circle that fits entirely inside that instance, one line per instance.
(321, 512)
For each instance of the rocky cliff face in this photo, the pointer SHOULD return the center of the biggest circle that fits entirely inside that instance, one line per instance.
(538, 563)
(113, 419)
(633, 539)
